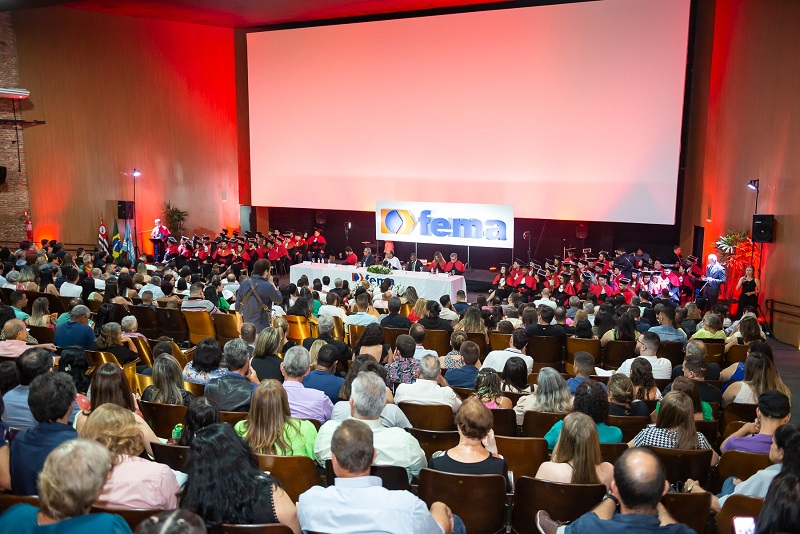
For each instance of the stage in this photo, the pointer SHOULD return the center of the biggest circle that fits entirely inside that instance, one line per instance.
(479, 280)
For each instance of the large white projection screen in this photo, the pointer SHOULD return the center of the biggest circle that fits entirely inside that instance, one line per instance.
(566, 112)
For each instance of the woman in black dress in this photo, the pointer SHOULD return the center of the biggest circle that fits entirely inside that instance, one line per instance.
(750, 288)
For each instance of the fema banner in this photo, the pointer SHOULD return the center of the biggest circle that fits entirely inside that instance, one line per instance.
(474, 225)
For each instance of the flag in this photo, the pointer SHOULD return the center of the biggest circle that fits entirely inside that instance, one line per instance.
(116, 245)
(102, 238)
(127, 242)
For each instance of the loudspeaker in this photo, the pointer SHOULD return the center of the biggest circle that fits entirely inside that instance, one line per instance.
(3, 173)
(763, 228)
(321, 217)
(582, 231)
(125, 209)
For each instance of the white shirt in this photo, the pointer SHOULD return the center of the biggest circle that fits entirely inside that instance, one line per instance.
(546, 302)
(662, 367)
(420, 352)
(333, 311)
(394, 263)
(427, 392)
(70, 290)
(359, 319)
(395, 446)
(497, 359)
(448, 315)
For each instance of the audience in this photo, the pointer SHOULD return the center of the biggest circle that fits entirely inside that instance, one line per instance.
(759, 376)
(453, 359)
(515, 376)
(644, 384)
(200, 413)
(233, 391)
(404, 368)
(265, 361)
(305, 403)
(30, 364)
(551, 395)
(488, 389)
(465, 376)
(621, 400)
(417, 332)
(168, 387)
(773, 411)
(323, 377)
(592, 400)
(647, 346)
(701, 409)
(205, 365)
(391, 415)
(432, 321)
(325, 328)
(76, 331)
(517, 345)
(430, 388)
(584, 369)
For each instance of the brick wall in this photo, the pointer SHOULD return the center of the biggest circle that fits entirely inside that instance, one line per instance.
(14, 194)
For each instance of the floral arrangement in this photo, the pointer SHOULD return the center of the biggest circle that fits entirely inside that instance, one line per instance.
(379, 269)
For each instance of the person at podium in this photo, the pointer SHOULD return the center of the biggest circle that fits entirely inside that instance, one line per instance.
(158, 236)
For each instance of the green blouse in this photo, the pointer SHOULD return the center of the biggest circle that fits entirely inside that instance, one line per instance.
(300, 443)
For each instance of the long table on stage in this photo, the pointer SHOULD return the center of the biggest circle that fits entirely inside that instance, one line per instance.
(428, 286)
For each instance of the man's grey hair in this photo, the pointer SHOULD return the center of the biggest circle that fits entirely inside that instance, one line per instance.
(325, 324)
(368, 393)
(128, 323)
(588, 307)
(236, 354)
(574, 301)
(429, 367)
(695, 347)
(155, 280)
(79, 311)
(96, 272)
(296, 361)
(338, 282)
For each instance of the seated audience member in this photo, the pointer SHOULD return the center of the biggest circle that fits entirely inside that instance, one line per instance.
(134, 482)
(465, 376)
(642, 325)
(697, 349)
(30, 364)
(72, 477)
(517, 345)
(233, 391)
(266, 361)
(711, 328)
(361, 317)
(391, 415)
(784, 452)
(476, 453)
(111, 340)
(325, 328)
(196, 301)
(417, 331)
(749, 332)
(200, 413)
(147, 300)
(621, 400)
(404, 368)
(248, 334)
(624, 331)
(637, 487)
(674, 428)
(447, 313)
(759, 376)
(226, 486)
(702, 409)
(648, 346)
(461, 303)
(644, 385)
(15, 336)
(584, 369)
(205, 365)
(323, 377)
(130, 327)
(167, 387)
(332, 308)
(560, 317)
(77, 331)
(357, 502)
(18, 301)
(774, 410)
(51, 400)
(576, 457)
(544, 328)
(472, 322)
(305, 403)
(453, 359)
(574, 304)
(781, 509)
(583, 329)
(694, 368)
(270, 427)
(546, 300)
(592, 400)
(71, 287)
(393, 319)
(430, 388)
(432, 321)
(488, 389)
(395, 446)
(371, 343)
(515, 376)
(154, 286)
(551, 395)
(666, 330)
(177, 521)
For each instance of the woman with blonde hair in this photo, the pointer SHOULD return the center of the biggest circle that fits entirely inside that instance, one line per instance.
(167, 387)
(488, 389)
(576, 458)
(265, 361)
(28, 279)
(111, 340)
(40, 314)
(270, 427)
(438, 264)
(551, 394)
(759, 376)
(472, 323)
(134, 482)
(286, 343)
(313, 351)
(621, 400)
(410, 296)
(418, 311)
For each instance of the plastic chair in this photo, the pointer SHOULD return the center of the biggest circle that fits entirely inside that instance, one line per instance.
(681, 464)
(617, 352)
(144, 350)
(738, 464)
(390, 335)
(162, 418)
(338, 329)
(691, 509)
(173, 456)
(429, 416)
(433, 441)
(735, 354)
(536, 424)
(487, 490)
(438, 340)
(132, 516)
(300, 328)
(498, 341)
(173, 324)
(738, 412)
(227, 326)
(523, 455)
(629, 424)
(564, 502)
(296, 473)
(671, 350)
(146, 320)
(200, 326)
(611, 451)
(592, 346)
(480, 340)
(737, 506)
(354, 332)
(43, 334)
(505, 422)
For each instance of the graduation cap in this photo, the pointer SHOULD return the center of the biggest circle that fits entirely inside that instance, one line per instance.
(583, 262)
(551, 268)
(667, 267)
(604, 276)
(570, 249)
(224, 231)
(248, 234)
(517, 260)
(624, 280)
(692, 259)
(590, 259)
(253, 240)
(236, 233)
(206, 237)
(600, 265)
(646, 273)
(587, 251)
(603, 252)
(655, 273)
(184, 238)
(536, 266)
(568, 264)
(172, 239)
(297, 232)
(557, 258)
(541, 272)
(586, 276)
(318, 230)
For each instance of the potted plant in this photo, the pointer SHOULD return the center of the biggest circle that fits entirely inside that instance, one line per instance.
(175, 218)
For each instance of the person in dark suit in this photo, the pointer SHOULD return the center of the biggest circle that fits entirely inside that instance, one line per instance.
(325, 327)
(715, 276)
(414, 264)
(368, 259)
(394, 319)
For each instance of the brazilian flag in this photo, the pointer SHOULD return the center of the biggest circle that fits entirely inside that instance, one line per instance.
(116, 242)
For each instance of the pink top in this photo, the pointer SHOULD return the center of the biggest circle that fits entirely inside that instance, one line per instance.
(492, 405)
(139, 483)
(13, 347)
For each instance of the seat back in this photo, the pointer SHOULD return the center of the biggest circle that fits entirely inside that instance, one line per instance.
(564, 502)
(681, 464)
(514, 397)
(299, 328)
(737, 506)
(173, 324)
(173, 456)
(592, 346)
(691, 509)
(463, 393)
(710, 429)
(405, 309)
(390, 335)
(146, 319)
(433, 441)
(338, 328)
(179, 355)
(536, 424)
(438, 340)
(451, 489)
(617, 352)
(120, 312)
(141, 382)
(162, 418)
(393, 477)
(232, 417)
(611, 451)
(498, 341)
(200, 326)
(505, 422)
(227, 326)
(735, 354)
(5, 295)
(546, 349)
(671, 350)
(354, 332)
(715, 353)
(297, 474)
(480, 340)
(629, 424)
(741, 465)
(272, 528)
(144, 350)
(198, 390)
(43, 334)
(132, 516)
(738, 412)
(429, 416)
(524, 455)
(7, 501)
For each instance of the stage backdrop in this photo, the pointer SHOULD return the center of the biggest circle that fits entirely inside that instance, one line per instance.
(569, 111)
(472, 225)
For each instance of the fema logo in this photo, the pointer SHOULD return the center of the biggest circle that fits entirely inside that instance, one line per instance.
(397, 222)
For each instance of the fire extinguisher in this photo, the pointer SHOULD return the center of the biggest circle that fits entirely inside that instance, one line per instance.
(28, 227)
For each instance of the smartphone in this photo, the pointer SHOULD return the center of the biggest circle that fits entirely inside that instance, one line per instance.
(744, 525)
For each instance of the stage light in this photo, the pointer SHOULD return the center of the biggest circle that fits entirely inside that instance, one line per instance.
(348, 225)
(137, 173)
(753, 184)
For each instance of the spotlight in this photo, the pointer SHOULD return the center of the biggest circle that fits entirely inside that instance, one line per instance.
(348, 225)
(137, 173)
(753, 184)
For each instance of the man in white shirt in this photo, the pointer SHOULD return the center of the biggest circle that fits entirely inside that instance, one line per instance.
(545, 300)
(447, 312)
(417, 331)
(361, 318)
(70, 288)
(395, 446)
(154, 286)
(516, 347)
(391, 261)
(331, 309)
(647, 345)
(588, 307)
(430, 388)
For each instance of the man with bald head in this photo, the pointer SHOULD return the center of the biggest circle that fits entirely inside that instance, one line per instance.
(15, 333)
(633, 504)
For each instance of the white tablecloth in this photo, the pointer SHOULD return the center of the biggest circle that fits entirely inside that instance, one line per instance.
(428, 286)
